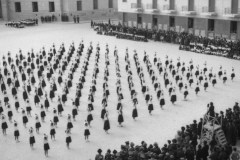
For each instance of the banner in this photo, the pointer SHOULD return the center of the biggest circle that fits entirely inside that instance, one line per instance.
(144, 25)
(197, 32)
(160, 26)
(233, 37)
(190, 31)
(210, 34)
(218, 35)
(134, 24)
(172, 28)
(139, 25)
(129, 23)
(165, 27)
(225, 36)
(182, 29)
(149, 25)
(203, 33)
(177, 28)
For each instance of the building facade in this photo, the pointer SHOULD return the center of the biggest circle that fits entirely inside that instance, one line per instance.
(201, 17)
(12, 10)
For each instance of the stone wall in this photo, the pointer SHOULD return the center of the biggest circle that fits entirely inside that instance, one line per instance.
(67, 7)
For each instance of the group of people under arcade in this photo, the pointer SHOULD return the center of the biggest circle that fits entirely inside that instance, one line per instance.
(187, 143)
(47, 77)
(216, 46)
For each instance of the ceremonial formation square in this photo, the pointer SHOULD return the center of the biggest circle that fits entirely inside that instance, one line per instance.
(162, 125)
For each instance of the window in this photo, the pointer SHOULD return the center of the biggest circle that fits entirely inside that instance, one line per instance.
(172, 21)
(211, 24)
(35, 6)
(79, 5)
(190, 5)
(155, 21)
(139, 3)
(110, 3)
(190, 23)
(139, 20)
(234, 7)
(51, 7)
(233, 27)
(17, 7)
(172, 5)
(211, 5)
(154, 4)
(95, 4)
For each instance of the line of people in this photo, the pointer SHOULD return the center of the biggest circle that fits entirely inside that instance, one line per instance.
(217, 45)
(131, 86)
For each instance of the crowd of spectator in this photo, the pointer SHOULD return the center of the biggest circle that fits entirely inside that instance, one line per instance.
(217, 45)
(187, 143)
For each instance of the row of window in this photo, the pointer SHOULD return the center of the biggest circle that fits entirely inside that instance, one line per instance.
(233, 26)
(211, 23)
(52, 6)
(34, 7)
(155, 3)
(210, 6)
(95, 4)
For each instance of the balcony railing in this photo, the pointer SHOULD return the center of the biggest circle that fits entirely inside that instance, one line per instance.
(136, 5)
(207, 12)
(166, 7)
(168, 10)
(205, 9)
(151, 6)
(186, 11)
(230, 11)
(184, 8)
(227, 10)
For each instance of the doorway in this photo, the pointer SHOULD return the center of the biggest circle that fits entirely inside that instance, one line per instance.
(124, 17)
(172, 21)
(139, 19)
(155, 21)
